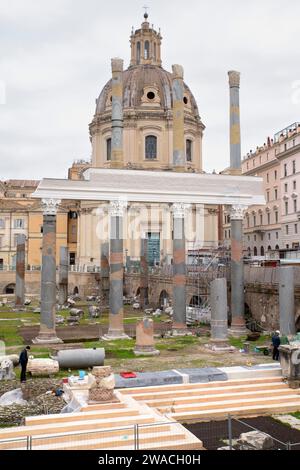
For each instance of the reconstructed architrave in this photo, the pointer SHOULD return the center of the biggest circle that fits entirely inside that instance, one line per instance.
(156, 186)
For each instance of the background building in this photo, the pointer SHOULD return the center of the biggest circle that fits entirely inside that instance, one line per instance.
(275, 226)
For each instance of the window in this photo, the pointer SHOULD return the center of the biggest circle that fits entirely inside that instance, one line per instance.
(294, 185)
(285, 169)
(276, 194)
(19, 223)
(275, 174)
(261, 219)
(155, 51)
(261, 237)
(269, 218)
(16, 240)
(286, 205)
(269, 236)
(254, 220)
(294, 167)
(138, 52)
(255, 238)
(267, 177)
(108, 149)
(285, 187)
(255, 251)
(268, 196)
(147, 50)
(285, 147)
(295, 205)
(225, 233)
(229, 233)
(276, 217)
(296, 228)
(2, 223)
(248, 238)
(248, 222)
(151, 147)
(276, 235)
(287, 229)
(189, 148)
(1, 242)
(287, 247)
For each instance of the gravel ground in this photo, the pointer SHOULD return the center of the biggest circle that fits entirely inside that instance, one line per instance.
(214, 433)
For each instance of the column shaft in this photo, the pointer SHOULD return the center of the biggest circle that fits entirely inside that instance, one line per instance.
(63, 274)
(237, 277)
(235, 128)
(287, 301)
(104, 273)
(117, 160)
(218, 302)
(179, 273)
(144, 300)
(20, 271)
(178, 119)
(47, 332)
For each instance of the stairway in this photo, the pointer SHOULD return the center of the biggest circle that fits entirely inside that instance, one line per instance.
(101, 427)
(215, 400)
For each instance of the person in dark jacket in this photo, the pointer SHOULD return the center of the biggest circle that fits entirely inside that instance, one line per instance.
(276, 344)
(23, 360)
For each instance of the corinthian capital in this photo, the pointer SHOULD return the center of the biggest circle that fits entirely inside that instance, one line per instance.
(50, 206)
(234, 78)
(117, 208)
(180, 209)
(237, 212)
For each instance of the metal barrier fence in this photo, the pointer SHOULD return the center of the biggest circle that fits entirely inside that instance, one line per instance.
(168, 434)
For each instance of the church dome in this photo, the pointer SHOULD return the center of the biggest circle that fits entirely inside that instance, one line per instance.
(146, 86)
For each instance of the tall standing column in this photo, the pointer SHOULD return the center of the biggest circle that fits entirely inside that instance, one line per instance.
(47, 332)
(144, 300)
(20, 271)
(179, 266)
(63, 274)
(238, 326)
(117, 159)
(104, 276)
(218, 303)
(235, 128)
(116, 326)
(287, 301)
(178, 119)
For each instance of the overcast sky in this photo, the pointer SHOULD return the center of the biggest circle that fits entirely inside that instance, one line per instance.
(55, 59)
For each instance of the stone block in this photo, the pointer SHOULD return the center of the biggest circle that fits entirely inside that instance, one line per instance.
(256, 439)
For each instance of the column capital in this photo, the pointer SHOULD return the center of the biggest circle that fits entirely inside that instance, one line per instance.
(177, 71)
(50, 206)
(234, 78)
(117, 208)
(117, 64)
(180, 209)
(237, 212)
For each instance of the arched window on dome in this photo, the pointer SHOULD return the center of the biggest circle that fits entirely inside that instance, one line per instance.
(151, 147)
(155, 51)
(108, 149)
(189, 150)
(146, 50)
(138, 52)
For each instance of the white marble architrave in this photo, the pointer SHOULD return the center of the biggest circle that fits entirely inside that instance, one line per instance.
(156, 187)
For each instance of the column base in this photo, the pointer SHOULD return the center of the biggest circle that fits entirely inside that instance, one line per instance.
(177, 331)
(146, 351)
(236, 331)
(43, 339)
(220, 345)
(112, 335)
